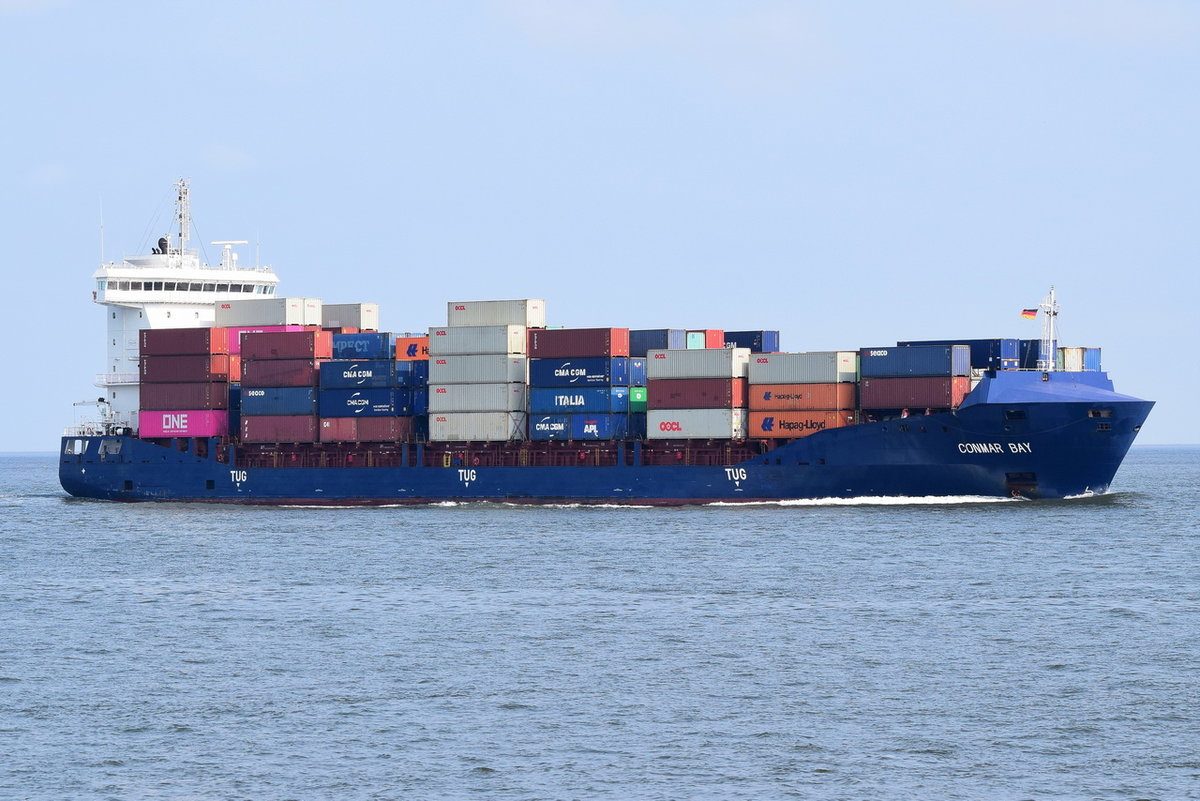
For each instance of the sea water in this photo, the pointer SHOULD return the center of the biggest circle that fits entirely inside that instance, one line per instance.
(929, 649)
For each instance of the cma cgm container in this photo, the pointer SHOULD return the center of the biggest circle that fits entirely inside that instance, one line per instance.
(544, 427)
(816, 367)
(364, 345)
(696, 393)
(794, 424)
(411, 348)
(279, 373)
(477, 397)
(755, 341)
(986, 354)
(346, 374)
(916, 360)
(184, 369)
(477, 427)
(269, 311)
(183, 341)
(288, 345)
(486, 369)
(207, 396)
(477, 339)
(550, 343)
(707, 363)
(929, 392)
(644, 340)
(183, 423)
(696, 424)
(576, 372)
(802, 397)
(278, 401)
(366, 429)
(371, 402)
(705, 338)
(594, 400)
(363, 316)
(277, 428)
(529, 312)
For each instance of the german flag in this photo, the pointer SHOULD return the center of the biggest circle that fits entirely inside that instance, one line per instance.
(1029, 314)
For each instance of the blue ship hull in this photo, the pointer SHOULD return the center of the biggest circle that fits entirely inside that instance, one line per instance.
(1017, 434)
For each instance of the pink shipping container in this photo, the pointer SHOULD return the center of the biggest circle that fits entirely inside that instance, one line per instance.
(208, 396)
(550, 343)
(182, 341)
(914, 393)
(184, 369)
(696, 393)
(279, 428)
(237, 332)
(183, 423)
(288, 345)
(281, 372)
(366, 429)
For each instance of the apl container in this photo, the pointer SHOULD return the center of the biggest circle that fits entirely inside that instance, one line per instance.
(363, 316)
(696, 424)
(581, 372)
(207, 396)
(289, 345)
(279, 372)
(183, 341)
(477, 339)
(486, 369)
(274, 428)
(366, 429)
(914, 393)
(410, 348)
(369, 345)
(269, 311)
(802, 397)
(544, 427)
(529, 312)
(816, 367)
(593, 400)
(260, 401)
(345, 374)
(551, 343)
(477, 427)
(793, 424)
(986, 354)
(915, 360)
(644, 340)
(755, 341)
(696, 393)
(599, 426)
(370, 402)
(477, 397)
(706, 363)
(185, 423)
(184, 369)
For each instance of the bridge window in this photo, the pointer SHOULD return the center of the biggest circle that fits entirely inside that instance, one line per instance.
(124, 285)
(135, 285)
(210, 287)
(74, 447)
(222, 287)
(100, 285)
(248, 287)
(158, 285)
(169, 286)
(194, 287)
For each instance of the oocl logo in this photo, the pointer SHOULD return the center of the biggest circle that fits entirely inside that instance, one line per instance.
(460, 308)
(669, 425)
(761, 360)
(660, 355)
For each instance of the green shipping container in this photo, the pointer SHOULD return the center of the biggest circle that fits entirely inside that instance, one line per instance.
(637, 399)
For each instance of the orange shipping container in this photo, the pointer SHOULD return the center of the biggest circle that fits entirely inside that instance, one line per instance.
(235, 368)
(797, 397)
(796, 423)
(410, 349)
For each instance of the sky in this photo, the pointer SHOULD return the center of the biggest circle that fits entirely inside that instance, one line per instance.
(850, 173)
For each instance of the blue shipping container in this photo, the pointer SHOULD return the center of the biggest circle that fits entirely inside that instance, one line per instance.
(278, 400)
(1030, 348)
(637, 372)
(580, 372)
(346, 374)
(412, 373)
(756, 341)
(549, 426)
(1091, 359)
(593, 400)
(371, 402)
(420, 400)
(637, 426)
(917, 360)
(986, 354)
(599, 426)
(364, 346)
(647, 339)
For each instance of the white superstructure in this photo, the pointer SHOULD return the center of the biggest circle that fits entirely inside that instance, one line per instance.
(170, 288)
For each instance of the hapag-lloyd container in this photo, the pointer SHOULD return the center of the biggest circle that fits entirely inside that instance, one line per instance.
(696, 393)
(363, 316)
(289, 345)
(756, 341)
(529, 312)
(477, 340)
(794, 424)
(802, 397)
(581, 372)
(701, 363)
(594, 400)
(705, 338)
(268, 311)
(816, 367)
(185, 423)
(184, 369)
(560, 343)
(696, 424)
(411, 348)
(486, 369)
(279, 428)
(914, 360)
(278, 401)
(644, 340)
(279, 372)
(918, 392)
(364, 345)
(477, 426)
(183, 341)
(237, 332)
(347, 374)
(366, 429)
(477, 397)
(369, 402)
(161, 397)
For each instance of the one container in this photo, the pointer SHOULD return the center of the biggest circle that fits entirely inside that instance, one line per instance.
(529, 312)
(368, 345)
(706, 363)
(644, 340)
(756, 341)
(370, 402)
(279, 372)
(276, 428)
(915, 360)
(477, 339)
(696, 424)
(345, 374)
(792, 424)
(551, 343)
(696, 393)
(816, 367)
(477, 397)
(184, 369)
(802, 397)
(207, 396)
(637, 399)
(486, 369)
(705, 338)
(581, 372)
(363, 316)
(599, 426)
(182, 341)
(986, 354)
(914, 393)
(410, 348)
(236, 333)
(544, 427)
(268, 311)
(258, 401)
(477, 426)
(593, 400)
(366, 429)
(185, 423)
(289, 345)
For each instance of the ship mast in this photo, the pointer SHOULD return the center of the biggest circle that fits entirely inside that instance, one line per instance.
(1046, 353)
(183, 212)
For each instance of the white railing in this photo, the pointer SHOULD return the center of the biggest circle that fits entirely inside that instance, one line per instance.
(114, 379)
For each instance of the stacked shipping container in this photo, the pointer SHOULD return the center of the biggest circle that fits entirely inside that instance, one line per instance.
(697, 393)
(797, 394)
(185, 378)
(366, 395)
(280, 371)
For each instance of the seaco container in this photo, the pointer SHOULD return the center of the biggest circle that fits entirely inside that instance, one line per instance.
(816, 367)
(260, 401)
(802, 397)
(279, 428)
(184, 369)
(183, 341)
(184, 423)
(477, 427)
(755, 341)
(705, 363)
(207, 396)
(792, 424)
(930, 392)
(696, 424)
(364, 345)
(346, 374)
(529, 312)
(593, 400)
(477, 397)
(367, 402)
(644, 340)
(915, 360)
(366, 429)
(412, 348)
(268, 311)
(477, 339)
(986, 354)
(279, 373)
(581, 372)
(696, 393)
(363, 316)
(486, 369)
(288, 345)
(550, 343)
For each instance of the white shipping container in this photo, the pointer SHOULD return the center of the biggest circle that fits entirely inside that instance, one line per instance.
(817, 367)
(486, 369)
(1070, 360)
(529, 312)
(696, 424)
(268, 311)
(477, 398)
(477, 340)
(706, 363)
(477, 426)
(364, 316)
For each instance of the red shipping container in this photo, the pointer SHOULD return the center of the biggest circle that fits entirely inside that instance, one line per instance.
(211, 395)
(183, 423)
(794, 397)
(281, 372)
(366, 429)
(184, 369)
(316, 344)
(793, 424)
(279, 428)
(913, 393)
(235, 368)
(410, 349)
(237, 332)
(339, 429)
(696, 393)
(713, 337)
(183, 341)
(551, 343)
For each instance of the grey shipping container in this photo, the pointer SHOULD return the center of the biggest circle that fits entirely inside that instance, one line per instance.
(529, 312)
(363, 316)
(699, 363)
(477, 397)
(477, 340)
(268, 311)
(476, 426)
(696, 424)
(817, 367)
(485, 369)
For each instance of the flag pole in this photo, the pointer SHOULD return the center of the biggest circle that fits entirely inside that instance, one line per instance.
(1047, 351)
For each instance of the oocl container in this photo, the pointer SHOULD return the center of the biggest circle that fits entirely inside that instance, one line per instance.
(363, 316)
(477, 426)
(802, 397)
(915, 360)
(593, 400)
(477, 339)
(279, 372)
(529, 312)
(578, 372)
(346, 374)
(289, 345)
(696, 393)
(275, 428)
(550, 343)
(477, 397)
(368, 345)
(816, 367)
(915, 393)
(184, 369)
(793, 424)
(279, 401)
(486, 369)
(185, 423)
(206, 396)
(696, 424)
(644, 340)
(755, 341)
(183, 341)
(268, 311)
(707, 363)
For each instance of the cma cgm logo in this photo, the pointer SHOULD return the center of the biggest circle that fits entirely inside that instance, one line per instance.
(669, 425)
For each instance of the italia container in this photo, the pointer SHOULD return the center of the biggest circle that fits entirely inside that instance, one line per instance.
(368, 345)
(593, 400)
(551, 343)
(346, 374)
(802, 397)
(529, 312)
(184, 369)
(696, 424)
(207, 396)
(581, 372)
(258, 401)
(929, 392)
(794, 424)
(412, 348)
(477, 427)
(279, 373)
(376, 402)
(279, 428)
(183, 341)
(363, 316)
(185, 423)
(696, 393)
(916, 360)
(477, 340)
(599, 426)
(705, 363)
(288, 345)
(365, 429)
(269, 311)
(412, 373)
(816, 367)
(986, 354)
(755, 341)
(644, 340)
(486, 369)
(236, 333)
(545, 427)
(477, 397)
(705, 338)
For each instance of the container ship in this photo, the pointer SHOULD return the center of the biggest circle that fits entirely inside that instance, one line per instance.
(217, 390)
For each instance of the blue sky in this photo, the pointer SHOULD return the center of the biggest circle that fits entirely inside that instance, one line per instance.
(850, 173)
